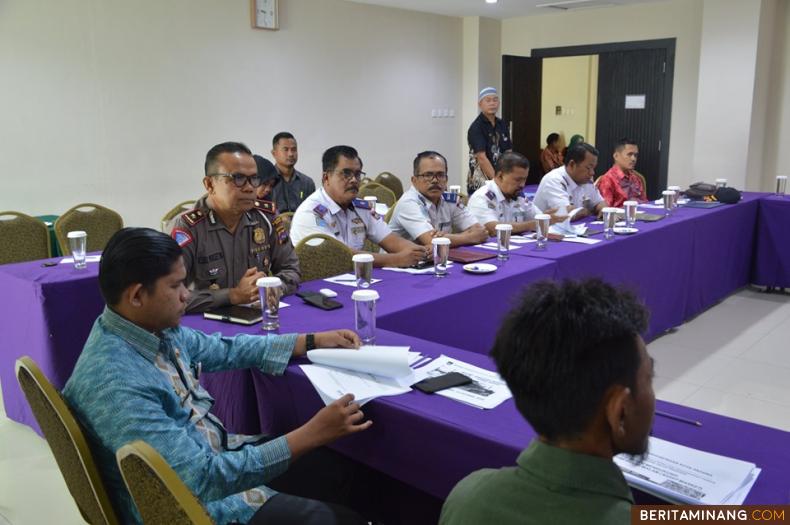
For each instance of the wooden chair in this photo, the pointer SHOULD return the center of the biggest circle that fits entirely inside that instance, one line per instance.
(98, 222)
(174, 212)
(385, 178)
(67, 441)
(382, 193)
(322, 256)
(23, 238)
(159, 494)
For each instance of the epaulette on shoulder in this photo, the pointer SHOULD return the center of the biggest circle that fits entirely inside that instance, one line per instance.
(450, 197)
(193, 217)
(266, 207)
(320, 210)
(490, 195)
(361, 204)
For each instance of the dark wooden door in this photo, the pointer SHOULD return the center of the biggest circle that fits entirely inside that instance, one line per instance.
(639, 73)
(521, 92)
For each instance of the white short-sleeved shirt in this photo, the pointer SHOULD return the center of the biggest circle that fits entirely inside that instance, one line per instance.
(488, 204)
(415, 215)
(557, 190)
(320, 214)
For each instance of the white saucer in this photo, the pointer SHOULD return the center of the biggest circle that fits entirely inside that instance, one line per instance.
(479, 268)
(624, 231)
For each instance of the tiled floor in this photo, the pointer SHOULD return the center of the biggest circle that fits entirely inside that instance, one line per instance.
(733, 359)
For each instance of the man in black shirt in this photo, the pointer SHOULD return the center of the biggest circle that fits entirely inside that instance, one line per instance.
(488, 138)
(293, 186)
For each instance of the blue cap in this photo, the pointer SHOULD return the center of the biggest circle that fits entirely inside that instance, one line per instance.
(486, 91)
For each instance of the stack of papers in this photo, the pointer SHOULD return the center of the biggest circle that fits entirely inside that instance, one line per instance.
(368, 373)
(349, 279)
(494, 246)
(88, 259)
(416, 271)
(685, 475)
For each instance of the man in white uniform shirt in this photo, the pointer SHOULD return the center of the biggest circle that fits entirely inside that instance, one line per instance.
(426, 210)
(570, 186)
(500, 199)
(335, 211)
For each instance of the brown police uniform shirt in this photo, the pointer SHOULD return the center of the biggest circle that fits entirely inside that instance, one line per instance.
(216, 259)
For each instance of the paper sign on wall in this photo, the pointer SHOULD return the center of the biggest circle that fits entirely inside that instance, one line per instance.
(635, 102)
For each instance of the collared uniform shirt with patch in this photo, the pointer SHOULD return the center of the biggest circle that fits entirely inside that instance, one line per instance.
(557, 190)
(320, 214)
(130, 384)
(548, 485)
(488, 204)
(217, 259)
(415, 215)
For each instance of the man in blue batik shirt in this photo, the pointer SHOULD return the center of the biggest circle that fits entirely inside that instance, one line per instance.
(136, 379)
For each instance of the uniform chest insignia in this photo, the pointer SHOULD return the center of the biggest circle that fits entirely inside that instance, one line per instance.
(213, 272)
(356, 220)
(450, 197)
(320, 210)
(490, 195)
(266, 207)
(357, 230)
(258, 236)
(279, 227)
(193, 217)
(213, 286)
(183, 238)
(361, 204)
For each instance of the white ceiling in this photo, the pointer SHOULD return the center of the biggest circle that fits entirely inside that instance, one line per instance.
(502, 9)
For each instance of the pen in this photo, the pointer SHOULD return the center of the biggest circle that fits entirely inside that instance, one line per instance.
(678, 418)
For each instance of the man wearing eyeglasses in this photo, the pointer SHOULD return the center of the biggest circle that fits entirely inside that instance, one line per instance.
(229, 239)
(426, 210)
(334, 210)
(500, 200)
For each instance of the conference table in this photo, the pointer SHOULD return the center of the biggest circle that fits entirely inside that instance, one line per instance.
(679, 266)
(772, 253)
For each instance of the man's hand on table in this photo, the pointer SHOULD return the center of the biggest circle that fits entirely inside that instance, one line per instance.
(331, 339)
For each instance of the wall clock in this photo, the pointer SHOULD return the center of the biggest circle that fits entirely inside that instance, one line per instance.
(264, 14)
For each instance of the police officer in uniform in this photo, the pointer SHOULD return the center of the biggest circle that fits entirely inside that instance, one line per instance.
(334, 210)
(426, 210)
(501, 201)
(231, 239)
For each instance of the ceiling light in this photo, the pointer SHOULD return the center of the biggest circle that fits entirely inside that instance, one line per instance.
(491, 1)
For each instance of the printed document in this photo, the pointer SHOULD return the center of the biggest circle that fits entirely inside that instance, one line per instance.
(487, 389)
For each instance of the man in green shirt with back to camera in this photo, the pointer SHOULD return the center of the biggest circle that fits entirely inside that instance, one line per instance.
(573, 357)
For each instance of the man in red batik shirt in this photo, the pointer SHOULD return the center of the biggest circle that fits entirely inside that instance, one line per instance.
(622, 182)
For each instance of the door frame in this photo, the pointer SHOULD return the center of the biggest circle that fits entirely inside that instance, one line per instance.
(667, 44)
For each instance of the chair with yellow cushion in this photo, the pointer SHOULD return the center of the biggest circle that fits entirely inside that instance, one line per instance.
(382, 193)
(23, 238)
(392, 182)
(159, 494)
(174, 212)
(321, 256)
(67, 441)
(98, 222)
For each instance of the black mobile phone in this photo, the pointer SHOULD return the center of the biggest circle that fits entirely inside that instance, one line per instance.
(319, 300)
(434, 384)
(422, 265)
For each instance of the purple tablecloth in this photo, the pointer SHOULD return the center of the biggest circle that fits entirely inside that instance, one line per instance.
(771, 264)
(430, 442)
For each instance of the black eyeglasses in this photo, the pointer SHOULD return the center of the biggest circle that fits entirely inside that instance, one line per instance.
(349, 174)
(428, 175)
(239, 179)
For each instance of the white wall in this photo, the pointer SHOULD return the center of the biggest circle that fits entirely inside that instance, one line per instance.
(777, 136)
(572, 83)
(117, 102)
(680, 19)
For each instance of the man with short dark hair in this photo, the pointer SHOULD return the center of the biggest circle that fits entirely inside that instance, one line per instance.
(427, 210)
(622, 182)
(334, 210)
(501, 201)
(488, 138)
(231, 239)
(138, 378)
(551, 155)
(570, 186)
(294, 186)
(574, 359)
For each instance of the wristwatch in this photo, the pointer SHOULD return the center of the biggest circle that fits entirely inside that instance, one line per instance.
(309, 341)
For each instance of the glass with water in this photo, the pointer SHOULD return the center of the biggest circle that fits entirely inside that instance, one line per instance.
(721, 183)
(629, 211)
(270, 289)
(781, 185)
(609, 220)
(542, 224)
(441, 253)
(365, 315)
(78, 242)
(503, 241)
(669, 200)
(363, 269)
